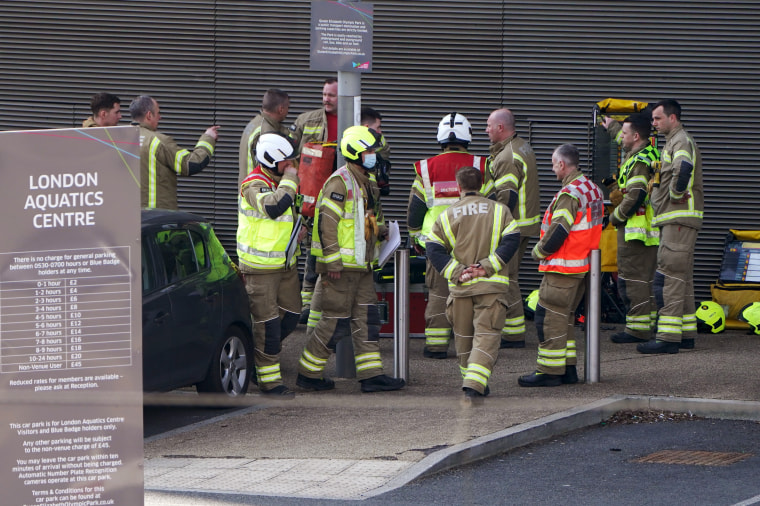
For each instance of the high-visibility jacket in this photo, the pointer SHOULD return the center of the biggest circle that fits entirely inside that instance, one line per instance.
(681, 174)
(639, 225)
(262, 240)
(352, 243)
(436, 184)
(583, 199)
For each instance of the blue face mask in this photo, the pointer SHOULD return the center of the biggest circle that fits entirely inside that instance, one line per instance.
(370, 160)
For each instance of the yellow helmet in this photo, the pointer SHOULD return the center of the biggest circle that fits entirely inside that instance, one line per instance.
(710, 317)
(356, 140)
(751, 314)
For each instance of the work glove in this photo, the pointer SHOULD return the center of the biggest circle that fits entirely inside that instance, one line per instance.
(370, 227)
(616, 197)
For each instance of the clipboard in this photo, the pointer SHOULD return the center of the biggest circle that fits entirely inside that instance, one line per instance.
(389, 247)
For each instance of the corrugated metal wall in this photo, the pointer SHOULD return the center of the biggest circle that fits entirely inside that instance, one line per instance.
(549, 61)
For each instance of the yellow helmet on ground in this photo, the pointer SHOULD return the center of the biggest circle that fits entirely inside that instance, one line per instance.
(751, 314)
(710, 317)
(531, 302)
(356, 140)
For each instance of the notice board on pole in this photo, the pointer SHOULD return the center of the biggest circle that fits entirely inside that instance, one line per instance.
(341, 36)
(70, 317)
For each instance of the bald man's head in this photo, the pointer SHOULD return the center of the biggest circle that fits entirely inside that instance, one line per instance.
(500, 125)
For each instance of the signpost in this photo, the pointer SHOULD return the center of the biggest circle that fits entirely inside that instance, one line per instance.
(70, 317)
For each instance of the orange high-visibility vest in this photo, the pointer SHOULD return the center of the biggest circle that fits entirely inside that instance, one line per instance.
(572, 257)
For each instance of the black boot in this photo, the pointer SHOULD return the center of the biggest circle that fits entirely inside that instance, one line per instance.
(382, 383)
(317, 384)
(472, 397)
(655, 346)
(624, 337)
(280, 392)
(435, 354)
(511, 344)
(687, 343)
(539, 379)
(571, 375)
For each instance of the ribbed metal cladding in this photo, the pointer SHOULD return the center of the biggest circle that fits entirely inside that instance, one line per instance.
(549, 61)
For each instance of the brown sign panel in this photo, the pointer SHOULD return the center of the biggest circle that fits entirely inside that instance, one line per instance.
(341, 36)
(70, 317)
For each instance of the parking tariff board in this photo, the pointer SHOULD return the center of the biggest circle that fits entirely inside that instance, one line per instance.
(65, 310)
(70, 317)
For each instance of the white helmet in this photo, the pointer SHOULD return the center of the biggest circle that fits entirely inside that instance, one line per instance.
(454, 127)
(274, 147)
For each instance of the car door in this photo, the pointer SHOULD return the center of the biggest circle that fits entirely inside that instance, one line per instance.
(196, 302)
(158, 322)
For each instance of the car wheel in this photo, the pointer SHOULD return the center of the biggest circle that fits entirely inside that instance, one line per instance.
(230, 370)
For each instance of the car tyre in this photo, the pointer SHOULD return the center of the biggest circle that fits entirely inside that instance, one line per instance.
(230, 370)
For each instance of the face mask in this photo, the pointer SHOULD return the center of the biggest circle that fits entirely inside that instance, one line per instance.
(369, 161)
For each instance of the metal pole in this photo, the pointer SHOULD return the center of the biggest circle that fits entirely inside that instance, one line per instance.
(593, 316)
(349, 94)
(401, 314)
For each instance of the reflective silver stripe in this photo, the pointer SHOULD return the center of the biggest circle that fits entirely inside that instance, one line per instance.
(565, 263)
(259, 253)
(429, 192)
(253, 213)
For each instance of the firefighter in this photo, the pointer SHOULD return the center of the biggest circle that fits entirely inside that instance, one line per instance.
(571, 228)
(317, 129)
(343, 240)
(106, 111)
(433, 191)
(161, 159)
(381, 177)
(266, 221)
(512, 179)
(678, 203)
(637, 239)
(274, 109)
(470, 246)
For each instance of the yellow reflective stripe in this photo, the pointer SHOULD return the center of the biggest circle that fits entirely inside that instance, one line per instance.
(153, 172)
(289, 183)
(496, 279)
(552, 353)
(204, 144)
(637, 179)
(251, 161)
(313, 359)
(434, 331)
(563, 213)
(310, 130)
(332, 206)
(686, 154)
(178, 158)
(551, 362)
(504, 179)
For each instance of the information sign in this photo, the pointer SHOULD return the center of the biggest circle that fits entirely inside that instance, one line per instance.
(70, 317)
(341, 36)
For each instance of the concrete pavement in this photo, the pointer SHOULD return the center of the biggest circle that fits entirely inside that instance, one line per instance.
(343, 444)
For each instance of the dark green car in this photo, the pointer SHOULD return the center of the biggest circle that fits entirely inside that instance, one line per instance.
(196, 321)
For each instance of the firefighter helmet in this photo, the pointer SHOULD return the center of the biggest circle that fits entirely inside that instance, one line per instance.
(454, 127)
(272, 148)
(710, 317)
(751, 314)
(356, 140)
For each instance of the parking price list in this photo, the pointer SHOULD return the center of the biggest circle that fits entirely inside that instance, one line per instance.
(65, 310)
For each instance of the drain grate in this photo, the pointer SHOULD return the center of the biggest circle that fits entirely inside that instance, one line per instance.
(694, 458)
